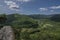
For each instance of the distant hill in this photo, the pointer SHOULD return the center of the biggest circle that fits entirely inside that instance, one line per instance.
(21, 21)
(38, 16)
(55, 18)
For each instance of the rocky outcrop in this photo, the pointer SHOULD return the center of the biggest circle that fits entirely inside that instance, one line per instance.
(6, 33)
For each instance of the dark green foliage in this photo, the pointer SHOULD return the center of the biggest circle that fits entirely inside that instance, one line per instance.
(34, 31)
(3, 20)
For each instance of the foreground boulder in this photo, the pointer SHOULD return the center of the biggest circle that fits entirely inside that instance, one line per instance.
(6, 33)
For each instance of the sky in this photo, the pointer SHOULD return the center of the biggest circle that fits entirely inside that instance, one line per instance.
(30, 6)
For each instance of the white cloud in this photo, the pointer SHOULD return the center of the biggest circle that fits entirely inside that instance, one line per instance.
(51, 10)
(24, 0)
(43, 9)
(12, 5)
(55, 7)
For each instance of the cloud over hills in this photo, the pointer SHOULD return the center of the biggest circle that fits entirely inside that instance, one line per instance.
(43, 9)
(12, 5)
(55, 7)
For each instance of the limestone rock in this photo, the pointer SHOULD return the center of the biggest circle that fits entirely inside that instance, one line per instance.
(6, 33)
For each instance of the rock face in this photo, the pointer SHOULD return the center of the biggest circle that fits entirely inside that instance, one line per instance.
(6, 33)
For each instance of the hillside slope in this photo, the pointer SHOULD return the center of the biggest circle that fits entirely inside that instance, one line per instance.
(27, 28)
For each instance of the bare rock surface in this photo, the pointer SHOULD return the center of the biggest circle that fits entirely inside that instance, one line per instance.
(6, 33)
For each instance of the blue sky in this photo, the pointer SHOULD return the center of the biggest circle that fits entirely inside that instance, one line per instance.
(30, 6)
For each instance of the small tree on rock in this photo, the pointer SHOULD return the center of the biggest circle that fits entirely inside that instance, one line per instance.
(3, 19)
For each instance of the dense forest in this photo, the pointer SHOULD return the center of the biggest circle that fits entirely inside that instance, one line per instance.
(33, 27)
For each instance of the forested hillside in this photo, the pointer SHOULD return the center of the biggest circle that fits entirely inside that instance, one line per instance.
(29, 27)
